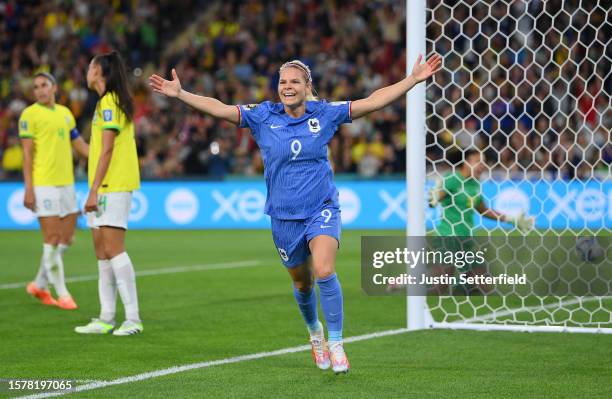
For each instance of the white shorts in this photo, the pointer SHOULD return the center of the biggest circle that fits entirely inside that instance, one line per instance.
(113, 210)
(55, 201)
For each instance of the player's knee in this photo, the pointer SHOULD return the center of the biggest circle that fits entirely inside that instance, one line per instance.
(99, 249)
(110, 253)
(303, 286)
(67, 240)
(112, 247)
(324, 270)
(52, 238)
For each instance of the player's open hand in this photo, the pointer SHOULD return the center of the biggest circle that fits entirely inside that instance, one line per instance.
(29, 201)
(91, 205)
(435, 193)
(170, 88)
(423, 71)
(523, 223)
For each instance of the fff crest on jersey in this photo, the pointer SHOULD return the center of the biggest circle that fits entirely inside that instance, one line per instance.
(314, 126)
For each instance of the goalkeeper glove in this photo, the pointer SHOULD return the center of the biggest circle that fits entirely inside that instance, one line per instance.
(523, 223)
(435, 193)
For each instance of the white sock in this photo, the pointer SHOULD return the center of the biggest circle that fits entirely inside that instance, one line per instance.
(41, 280)
(107, 290)
(47, 254)
(60, 282)
(62, 248)
(126, 285)
(54, 267)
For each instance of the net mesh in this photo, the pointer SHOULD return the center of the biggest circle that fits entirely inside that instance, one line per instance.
(527, 84)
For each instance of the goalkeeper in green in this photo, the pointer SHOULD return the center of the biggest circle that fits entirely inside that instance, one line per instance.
(459, 195)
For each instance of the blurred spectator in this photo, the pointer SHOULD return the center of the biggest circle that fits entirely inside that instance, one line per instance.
(12, 158)
(534, 99)
(369, 163)
(538, 95)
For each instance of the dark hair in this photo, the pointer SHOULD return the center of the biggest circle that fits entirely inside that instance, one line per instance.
(113, 70)
(46, 75)
(469, 152)
(466, 154)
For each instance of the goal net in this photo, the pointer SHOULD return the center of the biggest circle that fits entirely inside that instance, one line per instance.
(527, 84)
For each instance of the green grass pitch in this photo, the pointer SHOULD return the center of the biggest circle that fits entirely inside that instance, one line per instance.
(203, 315)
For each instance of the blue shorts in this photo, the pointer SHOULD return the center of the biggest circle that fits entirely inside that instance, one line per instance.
(291, 237)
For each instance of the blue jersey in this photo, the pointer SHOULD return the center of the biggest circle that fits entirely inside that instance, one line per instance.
(299, 178)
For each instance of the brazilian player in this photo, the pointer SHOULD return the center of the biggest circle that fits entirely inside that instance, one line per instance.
(459, 195)
(302, 199)
(113, 175)
(48, 133)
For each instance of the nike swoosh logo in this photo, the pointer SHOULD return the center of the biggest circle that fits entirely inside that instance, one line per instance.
(275, 126)
(325, 227)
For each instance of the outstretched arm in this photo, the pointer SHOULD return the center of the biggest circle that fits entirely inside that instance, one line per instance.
(209, 105)
(522, 222)
(385, 96)
(490, 213)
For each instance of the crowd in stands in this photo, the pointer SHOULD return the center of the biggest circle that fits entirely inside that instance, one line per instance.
(534, 99)
(527, 82)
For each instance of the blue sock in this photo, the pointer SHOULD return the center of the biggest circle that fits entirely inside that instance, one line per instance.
(331, 303)
(307, 302)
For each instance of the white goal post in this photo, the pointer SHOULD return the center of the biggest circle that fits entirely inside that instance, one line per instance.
(524, 82)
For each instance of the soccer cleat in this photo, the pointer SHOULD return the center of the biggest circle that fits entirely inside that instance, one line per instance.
(66, 302)
(96, 326)
(339, 362)
(44, 295)
(320, 353)
(128, 328)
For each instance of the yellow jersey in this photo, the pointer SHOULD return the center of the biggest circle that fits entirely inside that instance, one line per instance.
(123, 173)
(50, 128)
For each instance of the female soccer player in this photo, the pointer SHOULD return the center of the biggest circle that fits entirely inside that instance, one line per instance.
(47, 131)
(113, 175)
(302, 198)
(460, 196)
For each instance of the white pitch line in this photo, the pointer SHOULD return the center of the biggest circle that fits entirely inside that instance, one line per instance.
(154, 272)
(179, 369)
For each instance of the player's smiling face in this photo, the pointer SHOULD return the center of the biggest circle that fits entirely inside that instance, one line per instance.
(44, 91)
(292, 87)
